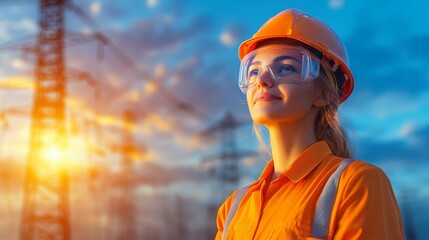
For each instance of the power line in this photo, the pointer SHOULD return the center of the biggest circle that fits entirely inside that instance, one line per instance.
(19, 43)
(128, 62)
(78, 39)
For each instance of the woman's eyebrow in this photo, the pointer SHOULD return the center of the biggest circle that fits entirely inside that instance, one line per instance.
(278, 59)
(281, 58)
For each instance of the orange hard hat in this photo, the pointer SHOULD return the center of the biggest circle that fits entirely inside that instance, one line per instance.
(294, 24)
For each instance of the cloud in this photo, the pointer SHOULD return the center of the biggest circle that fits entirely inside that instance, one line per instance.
(17, 63)
(410, 150)
(381, 71)
(407, 129)
(156, 174)
(95, 8)
(184, 57)
(17, 82)
(114, 10)
(170, 54)
(231, 34)
(11, 174)
(9, 29)
(159, 34)
(335, 4)
(152, 3)
(384, 62)
(4, 33)
(26, 25)
(421, 135)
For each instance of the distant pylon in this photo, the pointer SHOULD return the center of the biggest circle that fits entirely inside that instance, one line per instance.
(45, 212)
(229, 170)
(180, 219)
(125, 209)
(410, 232)
(226, 170)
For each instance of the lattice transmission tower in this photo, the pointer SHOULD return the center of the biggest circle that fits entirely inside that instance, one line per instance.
(46, 209)
(124, 207)
(226, 168)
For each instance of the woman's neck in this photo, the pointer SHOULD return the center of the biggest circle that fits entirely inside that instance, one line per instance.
(288, 141)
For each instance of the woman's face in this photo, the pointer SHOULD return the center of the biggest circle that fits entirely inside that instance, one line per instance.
(272, 102)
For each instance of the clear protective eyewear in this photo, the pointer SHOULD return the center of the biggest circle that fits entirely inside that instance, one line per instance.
(285, 64)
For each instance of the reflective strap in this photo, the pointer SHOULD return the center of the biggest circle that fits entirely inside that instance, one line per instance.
(235, 203)
(323, 212)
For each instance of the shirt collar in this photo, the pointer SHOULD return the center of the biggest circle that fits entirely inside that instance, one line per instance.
(303, 165)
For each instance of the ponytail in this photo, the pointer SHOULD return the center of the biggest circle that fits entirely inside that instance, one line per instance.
(327, 124)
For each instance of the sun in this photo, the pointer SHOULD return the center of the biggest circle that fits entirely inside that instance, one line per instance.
(52, 153)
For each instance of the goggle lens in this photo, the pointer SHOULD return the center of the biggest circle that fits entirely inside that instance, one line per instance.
(285, 64)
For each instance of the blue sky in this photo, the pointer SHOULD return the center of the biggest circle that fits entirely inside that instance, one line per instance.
(191, 48)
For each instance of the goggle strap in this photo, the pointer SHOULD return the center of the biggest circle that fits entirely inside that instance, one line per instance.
(335, 67)
(325, 64)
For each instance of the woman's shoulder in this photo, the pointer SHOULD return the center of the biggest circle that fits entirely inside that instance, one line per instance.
(359, 167)
(355, 169)
(365, 175)
(226, 206)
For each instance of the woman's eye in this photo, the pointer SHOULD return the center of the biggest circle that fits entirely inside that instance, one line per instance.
(286, 68)
(254, 72)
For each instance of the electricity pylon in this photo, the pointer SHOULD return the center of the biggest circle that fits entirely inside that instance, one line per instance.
(226, 171)
(124, 205)
(227, 168)
(409, 227)
(46, 209)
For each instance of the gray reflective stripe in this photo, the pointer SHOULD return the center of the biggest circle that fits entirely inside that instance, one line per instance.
(326, 203)
(235, 203)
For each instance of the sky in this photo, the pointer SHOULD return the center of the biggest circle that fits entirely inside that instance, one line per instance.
(190, 48)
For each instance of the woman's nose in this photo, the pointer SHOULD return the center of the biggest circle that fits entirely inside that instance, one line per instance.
(265, 79)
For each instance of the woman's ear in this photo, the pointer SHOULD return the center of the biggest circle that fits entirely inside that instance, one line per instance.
(320, 102)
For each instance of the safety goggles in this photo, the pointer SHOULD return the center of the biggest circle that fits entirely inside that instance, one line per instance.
(284, 64)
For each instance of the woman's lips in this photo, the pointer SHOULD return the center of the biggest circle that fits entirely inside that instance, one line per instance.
(265, 97)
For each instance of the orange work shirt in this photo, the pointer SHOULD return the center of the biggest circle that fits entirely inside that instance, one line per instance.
(365, 206)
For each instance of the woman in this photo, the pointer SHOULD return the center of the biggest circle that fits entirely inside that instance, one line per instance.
(294, 72)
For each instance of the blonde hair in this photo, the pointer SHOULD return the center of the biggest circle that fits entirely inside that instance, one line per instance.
(327, 125)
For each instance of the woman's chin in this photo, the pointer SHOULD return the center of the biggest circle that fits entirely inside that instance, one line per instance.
(265, 118)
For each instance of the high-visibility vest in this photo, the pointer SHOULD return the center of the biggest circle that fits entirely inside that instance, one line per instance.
(324, 207)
